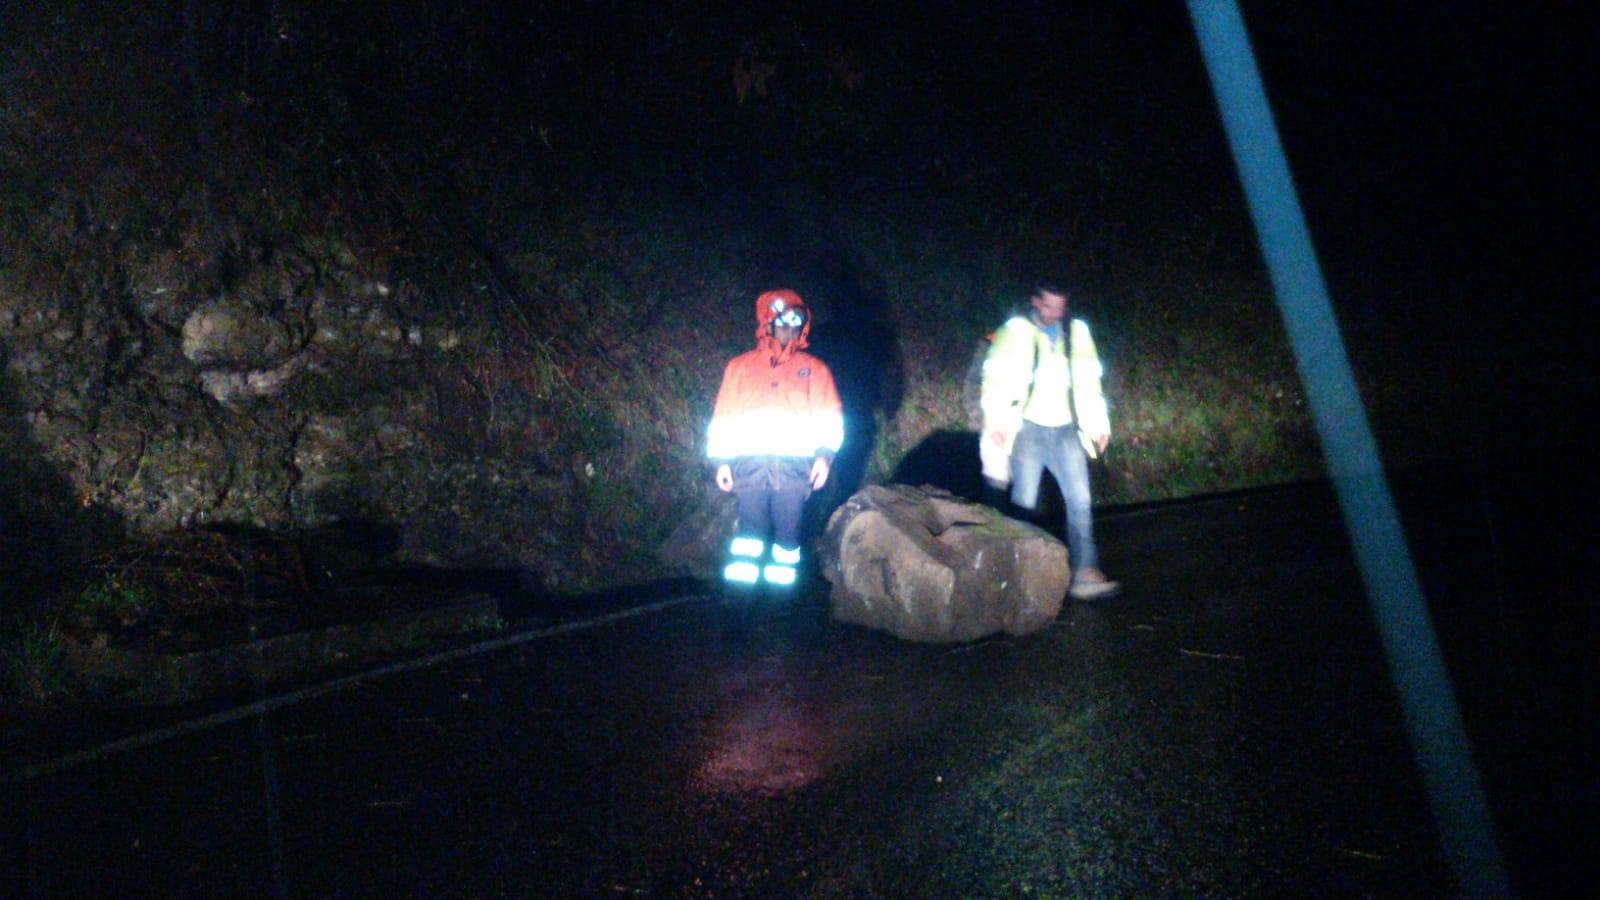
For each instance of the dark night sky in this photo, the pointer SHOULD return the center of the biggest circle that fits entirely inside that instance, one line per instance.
(1439, 147)
(1449, 134)
(1434, 144)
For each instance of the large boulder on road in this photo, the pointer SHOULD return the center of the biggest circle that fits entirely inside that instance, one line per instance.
(925, 565)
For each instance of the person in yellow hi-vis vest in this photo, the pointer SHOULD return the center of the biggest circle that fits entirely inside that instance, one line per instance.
(1043, 409)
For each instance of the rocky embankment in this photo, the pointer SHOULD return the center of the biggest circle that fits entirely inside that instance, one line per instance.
(207, 372)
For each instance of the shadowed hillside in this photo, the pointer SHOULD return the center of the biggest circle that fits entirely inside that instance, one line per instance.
(476, 272)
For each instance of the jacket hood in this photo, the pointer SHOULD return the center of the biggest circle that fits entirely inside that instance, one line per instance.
(768, 306)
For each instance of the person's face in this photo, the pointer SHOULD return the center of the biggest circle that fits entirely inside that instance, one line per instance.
(787, 326)
(1051, 308)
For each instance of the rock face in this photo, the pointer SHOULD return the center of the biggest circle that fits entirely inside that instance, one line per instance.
(227, 375)
(925, 565)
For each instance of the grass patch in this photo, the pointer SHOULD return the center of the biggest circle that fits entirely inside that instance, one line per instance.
(32, 662)
(115, 593)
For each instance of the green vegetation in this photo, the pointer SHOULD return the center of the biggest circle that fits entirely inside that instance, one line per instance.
(114, 593)
(31, 663)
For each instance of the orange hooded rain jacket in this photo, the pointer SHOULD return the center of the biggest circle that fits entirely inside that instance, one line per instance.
(776, 401)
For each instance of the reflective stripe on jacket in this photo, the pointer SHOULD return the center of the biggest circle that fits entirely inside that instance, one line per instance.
(790, 408)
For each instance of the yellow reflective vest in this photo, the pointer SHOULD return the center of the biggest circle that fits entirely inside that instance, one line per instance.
(1026, 376)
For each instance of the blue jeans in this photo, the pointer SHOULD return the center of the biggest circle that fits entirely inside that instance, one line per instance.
(1038, 448)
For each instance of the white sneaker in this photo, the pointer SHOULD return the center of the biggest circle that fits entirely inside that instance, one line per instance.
(1092, 584)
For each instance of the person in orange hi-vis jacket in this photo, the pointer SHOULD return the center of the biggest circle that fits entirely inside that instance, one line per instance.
(775, 429)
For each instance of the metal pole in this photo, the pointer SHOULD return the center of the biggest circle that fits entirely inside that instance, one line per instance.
(1438, 737)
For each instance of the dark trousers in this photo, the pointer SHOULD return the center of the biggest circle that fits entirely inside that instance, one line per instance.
(766, 513)
(772, 492)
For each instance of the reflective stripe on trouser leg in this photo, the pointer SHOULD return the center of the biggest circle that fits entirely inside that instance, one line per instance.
(744, 554)
(782, 569)
(744, 546)
(741, 572)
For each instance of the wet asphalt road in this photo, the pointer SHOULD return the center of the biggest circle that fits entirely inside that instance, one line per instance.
(1225, 728)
